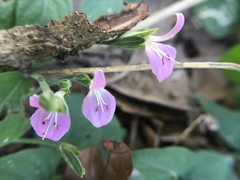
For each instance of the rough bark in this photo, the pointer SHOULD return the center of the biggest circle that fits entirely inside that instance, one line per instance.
(24, 45)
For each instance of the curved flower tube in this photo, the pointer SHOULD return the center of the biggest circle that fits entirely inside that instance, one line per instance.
(162, 57)
(99, 105)
(50, 125)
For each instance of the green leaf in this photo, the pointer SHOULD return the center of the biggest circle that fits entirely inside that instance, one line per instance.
(12, 128)
(232, 55)
(37, 164)
(14, 87)
(41, 12)
(219, 18)
(7, 13)
(70, 153)
(181, 163)
(206, 164)
(82, 133)
(95, 8)
(229, 121)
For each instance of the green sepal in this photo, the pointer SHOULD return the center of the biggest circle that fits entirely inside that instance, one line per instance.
(143, 33)
(132, 39)
(65, 85)
(83, 79)
(70, 154)
(52, 102)
(132, 42)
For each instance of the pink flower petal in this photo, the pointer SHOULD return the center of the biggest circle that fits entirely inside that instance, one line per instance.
(178, 26)
(161, 65)
(33, 101)
(99, 80)
(97, 115)
(40, 122)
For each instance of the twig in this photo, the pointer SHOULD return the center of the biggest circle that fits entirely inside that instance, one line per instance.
(143, 67)
(21, 46)
(190, 128)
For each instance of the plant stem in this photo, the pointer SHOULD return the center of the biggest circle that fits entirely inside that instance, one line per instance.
(143, 67)
(36, 141)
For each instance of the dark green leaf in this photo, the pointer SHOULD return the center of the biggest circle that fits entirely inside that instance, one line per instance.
(70, 153)
(181, 163)
(37, 164)
(206, 164)
(7, 14)
(12, 128)
(95, 8)
(232, 55)
(219, 18)
(14, 87)
(41, 12)
(82, 133)
(229, 121)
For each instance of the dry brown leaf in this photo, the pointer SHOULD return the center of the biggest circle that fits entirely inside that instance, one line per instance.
(119, 165)
(210, 83)
(174, 92)
(92, 160)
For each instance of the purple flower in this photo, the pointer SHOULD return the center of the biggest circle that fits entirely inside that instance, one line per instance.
(162, 57)
(99, 105)
(51, 125)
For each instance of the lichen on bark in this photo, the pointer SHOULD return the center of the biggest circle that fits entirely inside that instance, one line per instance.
(22, 46)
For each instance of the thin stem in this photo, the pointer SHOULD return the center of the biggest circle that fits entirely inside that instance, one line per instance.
(143, 67)
(36, 141)
(41, 80)
(190, 128)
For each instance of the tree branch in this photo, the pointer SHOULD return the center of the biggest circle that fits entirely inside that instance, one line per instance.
(25, 45)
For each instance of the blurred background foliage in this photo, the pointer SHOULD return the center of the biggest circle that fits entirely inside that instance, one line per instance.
(31, 158)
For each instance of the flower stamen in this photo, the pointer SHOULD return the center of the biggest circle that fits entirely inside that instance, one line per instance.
(100, 101)
(50, 118)
(55, 124)
(99, 105)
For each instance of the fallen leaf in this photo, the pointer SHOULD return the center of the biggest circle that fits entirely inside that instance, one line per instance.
(92, 160)
(119, 165)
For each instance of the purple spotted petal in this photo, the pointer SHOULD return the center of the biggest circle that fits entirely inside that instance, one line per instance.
(161, 65)
(99, 114)
(33, 101)
(99, 80)
(50, 125)
(178, 26)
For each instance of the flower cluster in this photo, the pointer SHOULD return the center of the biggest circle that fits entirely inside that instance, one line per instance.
(52, 120)
(98, 107)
